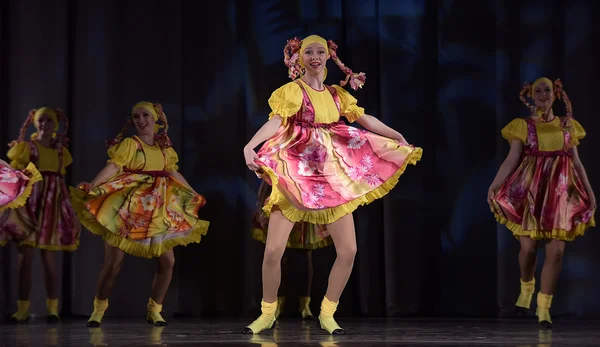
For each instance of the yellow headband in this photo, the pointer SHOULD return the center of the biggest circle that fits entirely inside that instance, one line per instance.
(148, 106)
(539, 112)
(50, 112)
(310, 40)
(539, 81)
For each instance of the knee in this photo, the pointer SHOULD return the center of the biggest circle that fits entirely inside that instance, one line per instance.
(112, 267)
(167, 262)
(555, 253)
(273, 254)
(528, 249)
(346, 254)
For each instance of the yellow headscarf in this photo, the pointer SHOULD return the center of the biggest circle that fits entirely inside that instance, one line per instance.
(539, 112)
(310, 40)
(50, 112)
(540, 81)
(150, 107)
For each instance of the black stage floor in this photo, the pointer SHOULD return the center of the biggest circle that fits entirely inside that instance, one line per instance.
(294, 332)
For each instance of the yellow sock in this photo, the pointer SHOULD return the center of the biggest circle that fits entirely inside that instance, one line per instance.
(100, 307)
(305, 307)
(326, 319)
(22, 313)
(52, 306)
(154, 316)
(527, 289)
(280, 304)
(266, 319)
(544, 301)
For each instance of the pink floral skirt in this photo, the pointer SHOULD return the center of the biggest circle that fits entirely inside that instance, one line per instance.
(47, 221)
(544, 199)
(321, 172)
(16, 185)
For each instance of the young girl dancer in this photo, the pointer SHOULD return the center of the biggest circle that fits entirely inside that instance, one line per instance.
(141, 205)
(320, 169)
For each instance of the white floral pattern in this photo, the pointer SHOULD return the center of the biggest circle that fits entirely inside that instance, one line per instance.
(116, 185)
(149, 202)
(561, 187)
(314, 198)
(9, 179)
(365, 172)
(356, 141)
(310, 158)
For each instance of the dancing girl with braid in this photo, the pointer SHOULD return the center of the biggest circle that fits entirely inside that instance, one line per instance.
(141, 205)
(541, 191)
(47, 221)
(320, 169)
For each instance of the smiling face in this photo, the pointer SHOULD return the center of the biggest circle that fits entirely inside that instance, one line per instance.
(314, 58)
(143, 120)
(44, 125)
(543, 95)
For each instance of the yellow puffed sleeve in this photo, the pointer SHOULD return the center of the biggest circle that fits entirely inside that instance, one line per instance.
(19, 155)
(515, 130)
(172, 159)
(577, 133)
(286, 101)
(349, 107)
(67, 160)
(123, 153)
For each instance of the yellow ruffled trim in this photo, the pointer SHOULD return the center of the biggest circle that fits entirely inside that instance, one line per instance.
(22, 199)
(131, 247)
(54, 248)
(330, 215)
(558, 234)
(260, 235)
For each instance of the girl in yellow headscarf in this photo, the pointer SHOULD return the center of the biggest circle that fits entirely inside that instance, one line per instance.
(541, 191)
(320, 169)
(47, 220)
(141, 205)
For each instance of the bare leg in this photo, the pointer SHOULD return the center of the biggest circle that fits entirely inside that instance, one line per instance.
(555, 250)
(527, 261)
(281, 292)
(527, 258)
(160, 285)
(162, 277)
(344, 238)
(277, 236)
(50, 280)
(25, 262)
(113, 259)
(50, 277)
